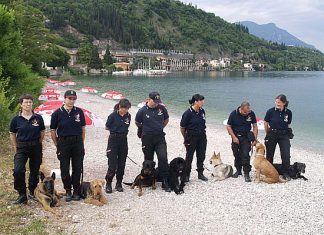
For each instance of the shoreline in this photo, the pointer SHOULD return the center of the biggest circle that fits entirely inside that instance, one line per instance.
(226, 207)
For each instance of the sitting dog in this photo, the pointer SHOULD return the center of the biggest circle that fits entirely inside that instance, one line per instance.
(46, 194)
(264, 167)
(221, 171)
(294, 170)
(177, 169)
(92, 192)
(146, 178)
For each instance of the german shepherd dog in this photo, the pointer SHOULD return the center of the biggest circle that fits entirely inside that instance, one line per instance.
(294, 170)
(46, 194)
(146, 178)
(177, 170)
(221, 171)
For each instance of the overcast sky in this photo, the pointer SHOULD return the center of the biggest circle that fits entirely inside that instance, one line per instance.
(301, 18)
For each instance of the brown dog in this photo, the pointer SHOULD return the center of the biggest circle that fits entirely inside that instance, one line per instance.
(46, 194)
(92, 192)
(264, 167)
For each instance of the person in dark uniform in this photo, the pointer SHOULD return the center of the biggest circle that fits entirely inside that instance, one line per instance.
(151, 119)
(68, 134)
(26, 134)
(239, 128)
(277, 127)
(117, 123)
(193, 130)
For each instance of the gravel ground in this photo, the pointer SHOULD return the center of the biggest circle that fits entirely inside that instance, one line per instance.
(227, 207)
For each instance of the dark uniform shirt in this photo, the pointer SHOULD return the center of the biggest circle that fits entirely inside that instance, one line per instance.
(192, 120)
(118, 124)
(27, 130)
(278, 119)
(240, 123)
(152, 119)
(68, 124)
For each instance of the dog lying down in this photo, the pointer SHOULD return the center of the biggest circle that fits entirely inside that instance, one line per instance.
(46, 194)
(221, 171)
(92, 192)
(146, 178)
(295, 170)
(264, 167)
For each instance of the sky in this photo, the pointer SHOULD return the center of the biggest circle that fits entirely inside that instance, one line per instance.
(302, 18)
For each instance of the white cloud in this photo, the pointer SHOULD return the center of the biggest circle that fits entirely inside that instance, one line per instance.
(302, 18)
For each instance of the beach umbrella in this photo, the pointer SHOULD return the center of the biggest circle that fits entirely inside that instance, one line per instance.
(113, 95)
(89, 89)
(50, 95)
(46, 109)
(52, 81)
(51, 89)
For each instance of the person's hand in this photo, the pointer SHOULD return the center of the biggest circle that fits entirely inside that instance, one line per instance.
(254, 143)
(236, 140)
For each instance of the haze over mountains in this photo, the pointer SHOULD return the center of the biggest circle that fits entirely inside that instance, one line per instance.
(271, 32)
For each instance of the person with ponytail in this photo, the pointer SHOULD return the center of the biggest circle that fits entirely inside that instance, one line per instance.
(277, 127)
(117, 123)
(193, 130)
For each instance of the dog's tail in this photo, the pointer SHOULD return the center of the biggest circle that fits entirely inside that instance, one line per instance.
(130, 184)
(282, 180)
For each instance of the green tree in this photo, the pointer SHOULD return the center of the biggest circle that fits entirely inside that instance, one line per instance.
(84, 53)
(108, 60)
(58, 57)
(95, 62)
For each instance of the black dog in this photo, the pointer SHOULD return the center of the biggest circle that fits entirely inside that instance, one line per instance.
(146, 178)
(295, 170)
(177, 169)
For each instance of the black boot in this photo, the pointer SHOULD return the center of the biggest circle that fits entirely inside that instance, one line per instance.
(22, 199)
(119, 187)
(237, 173)
(68, 196)
(187, 178)
(31, 195)
(108, 187)
(165, 185)
(76, 195)
(247, 177)
(286, 177)
(202, 177)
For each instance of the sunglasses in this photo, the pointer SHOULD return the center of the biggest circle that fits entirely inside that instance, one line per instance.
(71, 98)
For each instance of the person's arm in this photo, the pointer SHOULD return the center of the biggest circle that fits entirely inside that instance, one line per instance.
(165, 122)
(255, 132)
(42, 135)
(13, 139)
(54, 137)
(83, 134)
(231, 133)
(266, 127)
(183, 131)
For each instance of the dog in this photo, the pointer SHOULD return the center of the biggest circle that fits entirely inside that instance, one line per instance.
(264, 167)
(46, 194)
(92, 192)
(294, 170)
(221, 171)
(177, 169)
(146, 178)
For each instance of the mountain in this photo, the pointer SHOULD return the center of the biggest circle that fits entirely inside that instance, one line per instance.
(170, 25)
(271, 32)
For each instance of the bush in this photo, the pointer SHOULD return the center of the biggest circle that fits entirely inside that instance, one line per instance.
(6, 113)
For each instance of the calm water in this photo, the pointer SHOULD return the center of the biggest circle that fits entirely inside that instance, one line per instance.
(225, 91)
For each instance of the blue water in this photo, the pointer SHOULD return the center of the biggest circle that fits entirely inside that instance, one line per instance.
(224, 91)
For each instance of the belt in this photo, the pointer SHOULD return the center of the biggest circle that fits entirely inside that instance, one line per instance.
(74, 137)
(279, 131)
(241, 133)
(28, 143)
(117, 135)
(197, 131)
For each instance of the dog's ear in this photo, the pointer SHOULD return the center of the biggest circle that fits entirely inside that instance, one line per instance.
(41, 175)
(218, 154)
(103, 182)
(53, 175)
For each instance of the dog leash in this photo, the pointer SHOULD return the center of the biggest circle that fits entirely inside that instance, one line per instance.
(133, 161)
(206, 168)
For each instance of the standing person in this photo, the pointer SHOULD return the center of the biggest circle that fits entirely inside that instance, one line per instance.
(117, 123)
(26, 134)
(239, 128)
(193, 130)
(68, 134)
(151, 119)
(277, 127)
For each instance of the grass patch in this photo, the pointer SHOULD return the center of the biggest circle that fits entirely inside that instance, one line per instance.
(15, 219)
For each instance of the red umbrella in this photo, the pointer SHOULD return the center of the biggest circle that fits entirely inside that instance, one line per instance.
(46, 109)
(50, 96)
(113, 95)
(51, 89)
(89, 89)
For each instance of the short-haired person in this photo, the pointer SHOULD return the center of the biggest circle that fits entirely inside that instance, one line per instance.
(239, 128)
(277, 127)
(151, 119)
(26, 134)
(193, 130)
(68, 134)
(117, 123)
